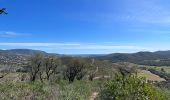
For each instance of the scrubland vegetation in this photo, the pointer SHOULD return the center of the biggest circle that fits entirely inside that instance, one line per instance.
(74, 78)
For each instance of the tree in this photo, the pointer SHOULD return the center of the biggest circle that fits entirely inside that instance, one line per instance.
(51, 64)
(81, 74)
(35, 64)
(2, 11)
(163, 70)
(74, 69)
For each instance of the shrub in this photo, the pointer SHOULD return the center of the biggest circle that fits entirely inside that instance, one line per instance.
(129, 88)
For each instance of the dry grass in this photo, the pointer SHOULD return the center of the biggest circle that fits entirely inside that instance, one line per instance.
(149, 76)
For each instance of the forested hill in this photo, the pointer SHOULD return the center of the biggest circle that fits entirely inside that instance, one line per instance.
(146, 58)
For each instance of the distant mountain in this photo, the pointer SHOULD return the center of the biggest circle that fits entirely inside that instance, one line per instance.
(23, 52)
(20, 56)
(163, 53)
(26, 52)
(148, 58)
(86, 55)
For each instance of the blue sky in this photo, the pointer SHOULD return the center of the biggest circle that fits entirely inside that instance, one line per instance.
(86, 26)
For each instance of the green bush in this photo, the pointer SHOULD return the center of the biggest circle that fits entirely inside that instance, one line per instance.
(129, 88)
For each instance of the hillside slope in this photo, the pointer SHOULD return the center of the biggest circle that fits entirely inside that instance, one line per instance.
(148, 58)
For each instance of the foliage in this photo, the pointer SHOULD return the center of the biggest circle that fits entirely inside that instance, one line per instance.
(40, 65)
(75, 69)
(22, 91)
(35, 65)
(129, 88)
(50, 66)
(164, 87)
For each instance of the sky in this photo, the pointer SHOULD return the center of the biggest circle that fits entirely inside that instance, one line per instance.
(86, 26)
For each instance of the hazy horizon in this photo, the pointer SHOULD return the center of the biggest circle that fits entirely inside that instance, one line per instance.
(82, 53)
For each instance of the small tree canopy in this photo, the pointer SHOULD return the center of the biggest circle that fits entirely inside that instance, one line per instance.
(75, 68)
(35, 65)
(3, 11)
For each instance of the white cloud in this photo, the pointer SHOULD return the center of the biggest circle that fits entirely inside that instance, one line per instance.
(11, 34)
(83, 46)
(38, 44)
